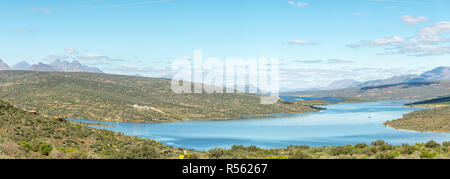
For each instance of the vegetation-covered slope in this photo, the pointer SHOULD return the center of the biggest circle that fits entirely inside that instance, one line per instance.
(376, 150)
(412, 90)
(24, 135)
(433, 102)
(112, 98)
(436, 119)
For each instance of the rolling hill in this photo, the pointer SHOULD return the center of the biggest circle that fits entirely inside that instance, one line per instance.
(409, 90)
(107, 97)
(437, 102)
(436, 119)
(28, 136)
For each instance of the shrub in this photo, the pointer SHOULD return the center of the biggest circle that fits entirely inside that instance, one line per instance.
(252, 148)
(45, 149)
(216, 153)
(299, 155)
(237, 147)
(386, 155)
(191, 156)
(378, 143)
(407, 149)
(341, 150)
(277, 157)
(427, 154)
(300, 147)
(70, 150)
(446, 144)
(361, 145)
(432, 144)
(26, 145)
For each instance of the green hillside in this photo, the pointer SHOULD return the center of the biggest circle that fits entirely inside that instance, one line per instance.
(112, 98)
(433, 102)
(24, 135)
(412, 90)
(29, 136)
(375, 150)
(436, 119)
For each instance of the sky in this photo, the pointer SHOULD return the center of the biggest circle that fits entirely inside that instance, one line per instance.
(317, 41)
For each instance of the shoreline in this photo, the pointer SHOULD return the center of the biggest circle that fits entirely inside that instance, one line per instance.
(313, 106)
(429, 106)
(384, 124)
(411, 130)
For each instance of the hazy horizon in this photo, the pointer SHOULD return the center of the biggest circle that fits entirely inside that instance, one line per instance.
(318, 42)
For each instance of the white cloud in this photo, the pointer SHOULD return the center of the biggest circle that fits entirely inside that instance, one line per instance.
(91, 56)
(46, 10)
(380, 42)
(339, 61)
(308, 61)
(71, 51)
(19, 30)
(434, 33)
(298, 4)
(301, 42)
(419, 50)
(412, 20)
(293, 77)
(386, 41)
(428, 41)
(415, 2)
(329, 61)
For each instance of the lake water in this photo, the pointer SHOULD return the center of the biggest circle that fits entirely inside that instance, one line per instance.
(295, 98)
(341, 124)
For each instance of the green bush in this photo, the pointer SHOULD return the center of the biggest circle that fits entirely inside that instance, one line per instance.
(386, 155)
(237, 147)
(361, 145)
(378, 143)
(216, 153)
(341, 150)
(298, 147)
(45, 149)
(428, 155)
(432, 144)
(252, 148)
(407, 149)
(299, 155)
(26, 145)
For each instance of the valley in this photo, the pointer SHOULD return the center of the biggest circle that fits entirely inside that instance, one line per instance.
(25, 135)
(105, 97)
(110, 99)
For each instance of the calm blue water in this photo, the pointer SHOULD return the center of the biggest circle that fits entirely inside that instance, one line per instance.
(341, 124)
(294, 98)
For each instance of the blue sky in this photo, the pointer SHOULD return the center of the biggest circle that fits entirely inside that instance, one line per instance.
(318, 41)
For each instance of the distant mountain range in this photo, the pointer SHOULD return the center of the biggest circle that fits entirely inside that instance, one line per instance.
(56, 66)
(437, 74)
(431, 84)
